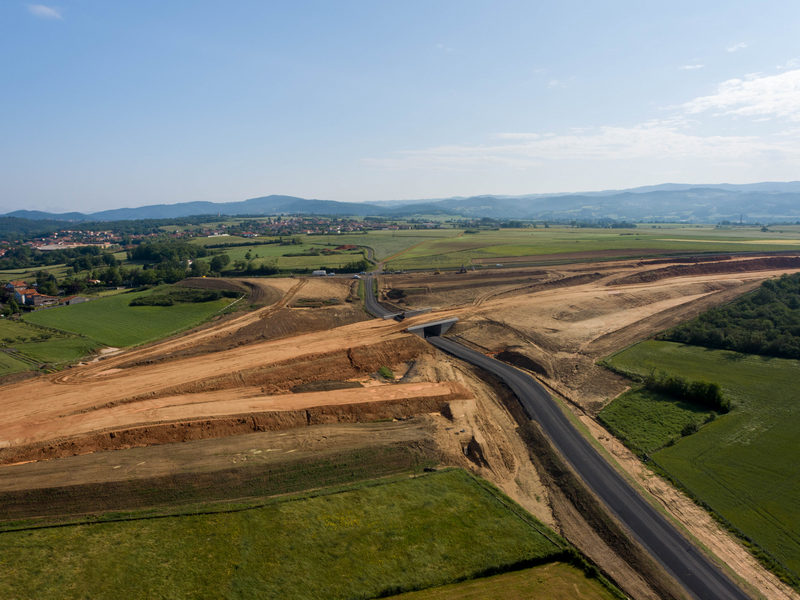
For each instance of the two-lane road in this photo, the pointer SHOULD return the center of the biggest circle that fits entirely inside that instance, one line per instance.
(686, 563)
(370, 301)
(691, 568)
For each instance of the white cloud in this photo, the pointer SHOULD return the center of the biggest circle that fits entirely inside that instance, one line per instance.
(681, 146)
(44, 12)
(764, 96)
(690, 67)
(737, 47)
(661, 140)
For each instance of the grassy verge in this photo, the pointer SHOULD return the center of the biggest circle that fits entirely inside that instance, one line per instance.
(113, 322)
(367, 541)
(743, 465)
(554, 581)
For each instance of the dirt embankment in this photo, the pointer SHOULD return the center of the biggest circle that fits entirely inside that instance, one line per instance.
(685, 259)
(281, 376)
(99, 402)
(275, 324)
(254, 464)
(709, 268)
(233, 425)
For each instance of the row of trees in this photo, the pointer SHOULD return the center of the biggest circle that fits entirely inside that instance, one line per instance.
(764, 322)
(22, 257)
(699, 392)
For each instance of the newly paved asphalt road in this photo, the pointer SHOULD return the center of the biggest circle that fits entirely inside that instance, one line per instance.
(370, 302)
(687, 564)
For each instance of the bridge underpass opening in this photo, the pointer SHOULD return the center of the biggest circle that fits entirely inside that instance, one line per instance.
(434, 328)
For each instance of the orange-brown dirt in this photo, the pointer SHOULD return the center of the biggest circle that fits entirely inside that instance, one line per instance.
(236, 375)
(558, 326)
(207, 455)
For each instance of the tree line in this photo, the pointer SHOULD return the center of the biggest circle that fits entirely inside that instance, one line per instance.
(699, 392)
(766, 321)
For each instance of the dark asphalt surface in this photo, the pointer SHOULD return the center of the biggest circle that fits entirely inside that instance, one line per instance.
(685, 562)
(371, 302)
(701, 578)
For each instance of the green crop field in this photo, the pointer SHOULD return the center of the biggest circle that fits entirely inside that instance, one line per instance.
(554, 581)
(497, 246)
(743, 464)
(273, 254)
(647, 421)
(33, 345)
(362, 542)
(9, 364)
(29, 274)
(385, 243)
(382, 243)
(111, 322)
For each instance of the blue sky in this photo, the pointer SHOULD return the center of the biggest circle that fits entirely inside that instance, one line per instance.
(106, 104)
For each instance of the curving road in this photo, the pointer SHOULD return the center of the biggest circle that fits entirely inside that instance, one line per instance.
(696, 573)
(371, 303)
(686, 563)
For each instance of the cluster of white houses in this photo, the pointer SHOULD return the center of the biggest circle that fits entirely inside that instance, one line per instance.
(27, 295)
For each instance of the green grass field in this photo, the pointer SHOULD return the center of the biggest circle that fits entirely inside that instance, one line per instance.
(59, 271)
(554, 581)
(647, 421)
(382, 244)
(509, 243)
(9, 365)
(370, 540)
(37, 345)
(744, 464)
(111, 322)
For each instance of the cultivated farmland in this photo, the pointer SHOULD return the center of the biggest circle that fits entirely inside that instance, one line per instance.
(561, 245)
(360, 542)
(647, 421)
(28, 346)
(743, 464)
(112, 322)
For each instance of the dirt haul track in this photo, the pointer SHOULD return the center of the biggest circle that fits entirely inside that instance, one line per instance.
(237, 375)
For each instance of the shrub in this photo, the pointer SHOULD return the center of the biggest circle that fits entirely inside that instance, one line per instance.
(172, 297)
(386, 372)
(699, 392)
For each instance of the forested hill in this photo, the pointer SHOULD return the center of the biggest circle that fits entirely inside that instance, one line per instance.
(766, 321)
(761, 203)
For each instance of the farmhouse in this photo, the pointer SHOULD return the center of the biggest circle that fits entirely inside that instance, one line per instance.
(30, 297)
(16, 285)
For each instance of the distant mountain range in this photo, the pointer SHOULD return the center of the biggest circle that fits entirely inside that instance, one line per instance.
(756, 202)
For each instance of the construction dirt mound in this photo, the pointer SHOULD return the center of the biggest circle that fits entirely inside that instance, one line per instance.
(184, 431)
(730, 266)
